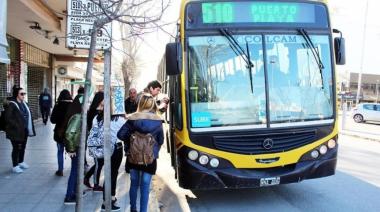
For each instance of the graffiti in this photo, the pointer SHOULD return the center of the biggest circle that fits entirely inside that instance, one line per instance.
(118, 100)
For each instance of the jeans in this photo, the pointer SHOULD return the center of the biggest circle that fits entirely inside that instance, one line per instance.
(116, 159)
(72, 184)
(60, 152)
(140, 179)
(18, 151)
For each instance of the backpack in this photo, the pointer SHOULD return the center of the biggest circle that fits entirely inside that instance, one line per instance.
(95, 141)
(73, 133)
(140, 150)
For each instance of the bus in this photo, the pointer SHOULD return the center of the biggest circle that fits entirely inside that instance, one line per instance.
(252, 93)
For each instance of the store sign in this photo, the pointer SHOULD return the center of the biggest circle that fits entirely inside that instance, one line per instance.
(81, 15)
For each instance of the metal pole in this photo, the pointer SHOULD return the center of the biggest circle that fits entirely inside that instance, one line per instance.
(81, 151)
(107, 123)
(377, 91)
(363, 53)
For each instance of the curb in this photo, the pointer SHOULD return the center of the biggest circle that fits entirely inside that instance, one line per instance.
(153, 201)
(373, 137)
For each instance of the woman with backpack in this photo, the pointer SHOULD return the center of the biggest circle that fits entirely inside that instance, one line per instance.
(58, 118)
(18, 127)
(143, 130)
(96, 169)
(95, 143)
(71, 123)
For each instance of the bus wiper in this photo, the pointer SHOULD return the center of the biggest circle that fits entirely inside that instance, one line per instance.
(239, 51)
(317, 56)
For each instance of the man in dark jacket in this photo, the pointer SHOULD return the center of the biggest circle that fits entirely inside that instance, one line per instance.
(18, 127)
(46, 104)
(131, 102)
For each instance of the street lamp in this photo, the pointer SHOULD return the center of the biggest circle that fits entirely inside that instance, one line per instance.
(363, 53)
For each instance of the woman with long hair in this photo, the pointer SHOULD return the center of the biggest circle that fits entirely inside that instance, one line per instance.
(144, 121)
(96, 132)
(58, 118)
(96, 169)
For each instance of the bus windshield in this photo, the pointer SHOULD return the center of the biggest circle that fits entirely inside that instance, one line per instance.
(220, 85)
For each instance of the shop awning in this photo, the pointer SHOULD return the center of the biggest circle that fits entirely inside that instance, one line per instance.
(3, 55)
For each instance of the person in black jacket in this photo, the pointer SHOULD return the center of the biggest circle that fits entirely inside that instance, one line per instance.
(74, 108)
(131, 102)
(46, 104)
(58, 118)
(144, 121)
(18, 127)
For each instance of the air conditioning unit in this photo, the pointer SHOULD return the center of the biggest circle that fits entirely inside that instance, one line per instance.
(62, 70)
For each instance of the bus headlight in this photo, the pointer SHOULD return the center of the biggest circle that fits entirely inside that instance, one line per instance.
(323, 149)
(331, 144)
(193, 155)
(203, 160)
(314, 154)
(214, 163)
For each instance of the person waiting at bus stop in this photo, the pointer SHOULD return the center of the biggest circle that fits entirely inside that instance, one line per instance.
(18, 127)
(71, 147)
(145, 121)
(131, 102)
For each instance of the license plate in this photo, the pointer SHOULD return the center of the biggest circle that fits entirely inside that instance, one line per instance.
(271, 181)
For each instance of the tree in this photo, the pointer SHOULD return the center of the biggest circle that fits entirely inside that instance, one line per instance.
(131, 60)
(141, 16)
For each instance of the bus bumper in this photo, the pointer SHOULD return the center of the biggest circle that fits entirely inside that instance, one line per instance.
(192, 175)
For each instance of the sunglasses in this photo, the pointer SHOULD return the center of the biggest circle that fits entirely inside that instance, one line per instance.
(22, 94)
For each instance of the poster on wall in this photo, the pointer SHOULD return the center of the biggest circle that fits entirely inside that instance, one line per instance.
(24, 78)
(117, 100)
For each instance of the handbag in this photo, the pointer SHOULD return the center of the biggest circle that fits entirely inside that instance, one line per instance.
(95, 141)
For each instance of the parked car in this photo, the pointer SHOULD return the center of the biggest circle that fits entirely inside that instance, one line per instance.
(366, 112)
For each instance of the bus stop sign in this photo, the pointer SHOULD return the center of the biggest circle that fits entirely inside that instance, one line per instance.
(81, 15)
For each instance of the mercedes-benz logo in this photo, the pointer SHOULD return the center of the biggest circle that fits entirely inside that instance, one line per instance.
(268, 144)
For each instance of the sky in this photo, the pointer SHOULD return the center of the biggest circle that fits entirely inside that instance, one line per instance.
(346, 15)
(349, 17)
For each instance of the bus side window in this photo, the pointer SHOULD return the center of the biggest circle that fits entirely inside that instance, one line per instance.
(177, 103)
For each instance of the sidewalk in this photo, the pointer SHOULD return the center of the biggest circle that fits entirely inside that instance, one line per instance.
(363, 135)
(38, 189)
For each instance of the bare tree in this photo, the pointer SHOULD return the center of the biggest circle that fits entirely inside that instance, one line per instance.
(140, 16)
(131, 61)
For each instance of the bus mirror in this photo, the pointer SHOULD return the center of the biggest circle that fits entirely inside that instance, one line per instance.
(172, 59)
(340, 49)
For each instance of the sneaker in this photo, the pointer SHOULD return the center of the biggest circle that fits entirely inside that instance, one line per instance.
(69, 201)
(113, 207)
(86, 182)
(23, 165)
(59, 173)
(17, 169)
(97, 188)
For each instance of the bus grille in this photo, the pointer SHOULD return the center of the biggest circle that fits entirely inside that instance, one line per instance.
(254, 144)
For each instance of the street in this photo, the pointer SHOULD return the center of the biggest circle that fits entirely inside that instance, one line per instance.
(355, 187)
(365, 127)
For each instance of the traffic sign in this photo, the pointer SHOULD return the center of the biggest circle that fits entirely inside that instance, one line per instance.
(81, 15)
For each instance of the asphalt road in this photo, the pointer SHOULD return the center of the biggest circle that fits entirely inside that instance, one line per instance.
(355, 187)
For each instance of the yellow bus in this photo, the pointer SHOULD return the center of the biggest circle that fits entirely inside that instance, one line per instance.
(252, 93)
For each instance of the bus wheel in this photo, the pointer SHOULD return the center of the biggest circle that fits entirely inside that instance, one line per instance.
(358, 118)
